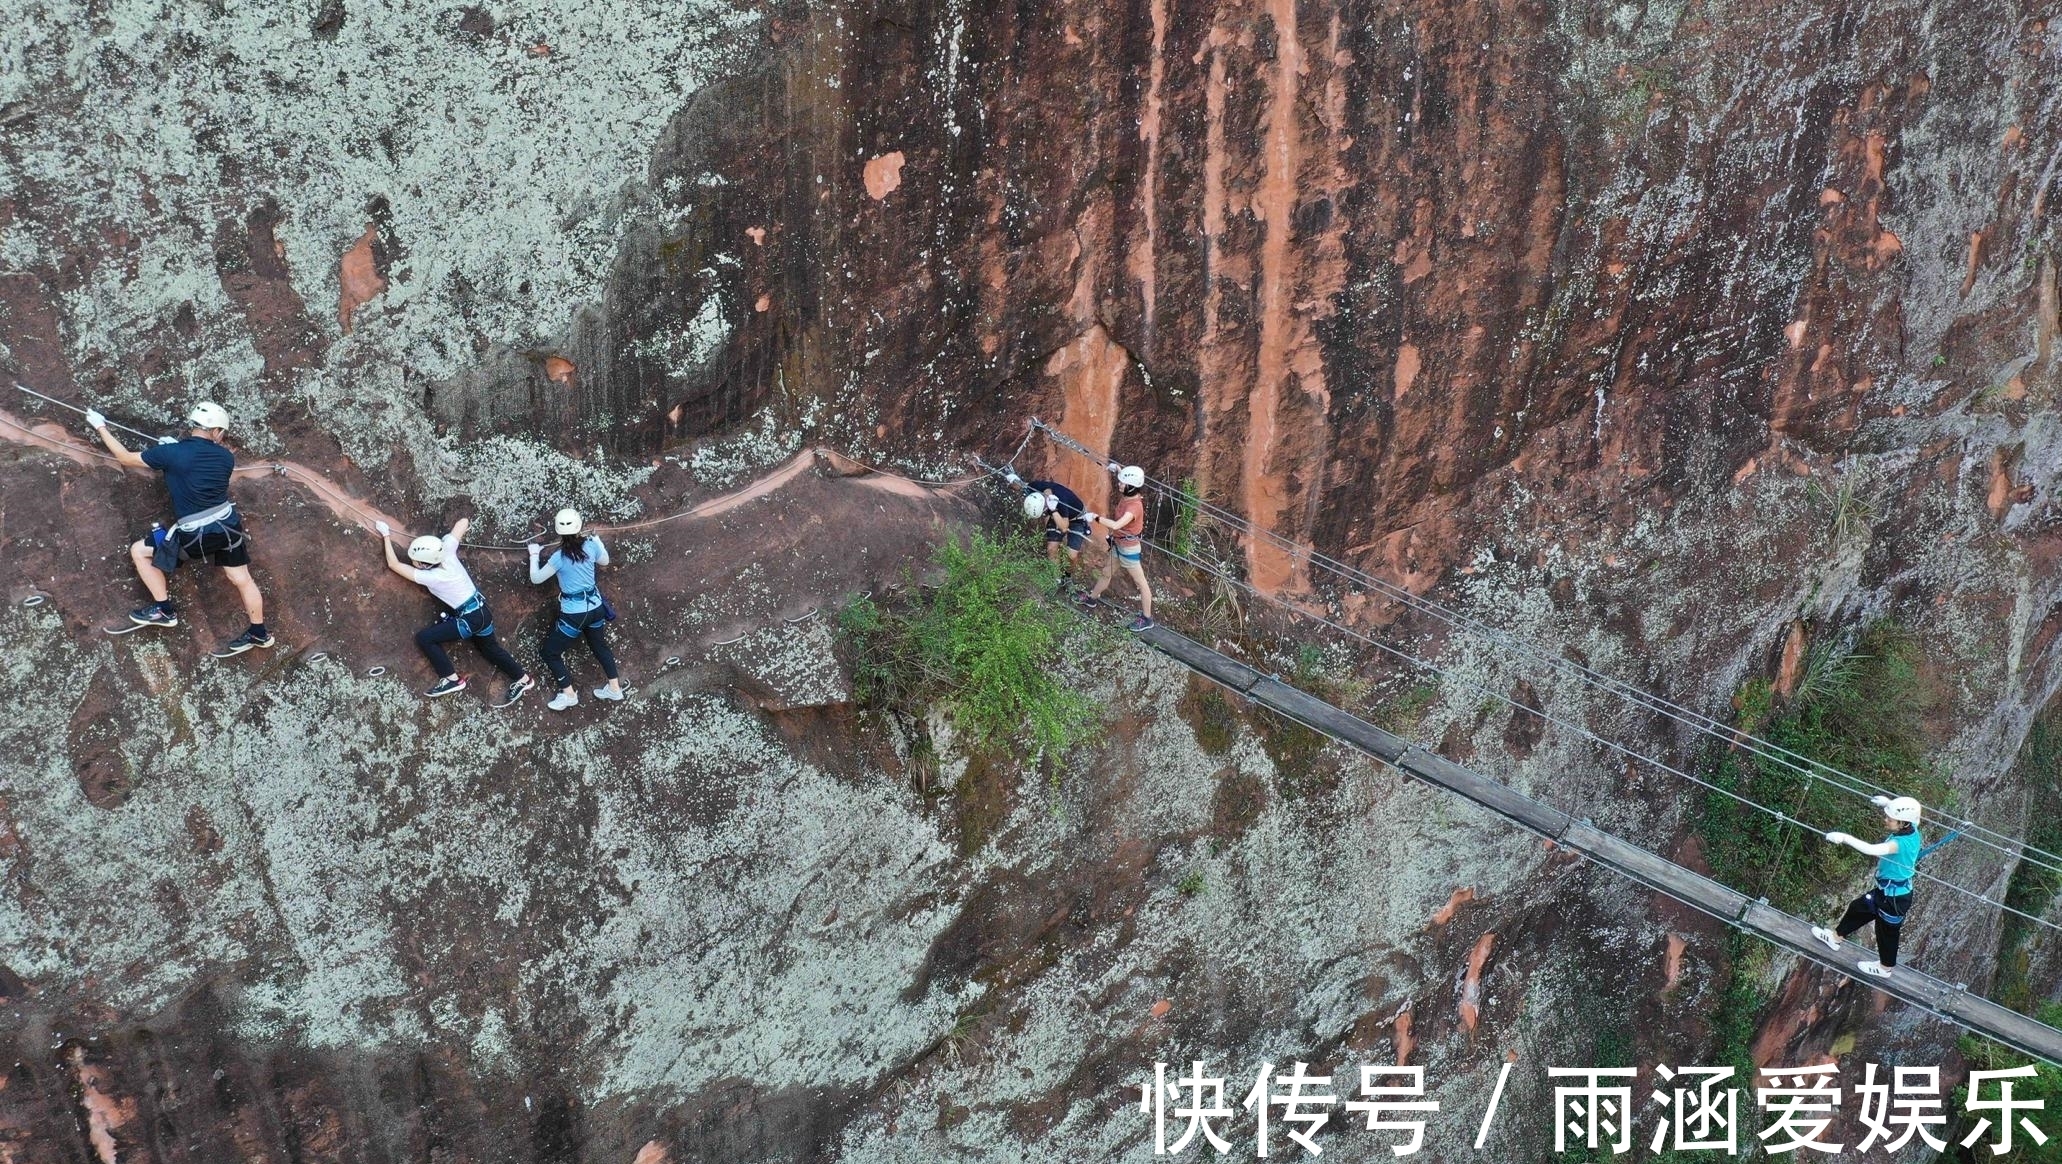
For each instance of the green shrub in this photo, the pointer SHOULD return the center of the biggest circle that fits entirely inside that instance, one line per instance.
(1182, 538)
(983, 644)
(1861, 710)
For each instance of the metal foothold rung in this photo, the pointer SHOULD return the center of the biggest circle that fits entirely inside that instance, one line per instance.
(673, 660)
(33, 600)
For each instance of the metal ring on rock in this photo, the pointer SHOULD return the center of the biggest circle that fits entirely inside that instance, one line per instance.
(33, 600)
(673, 660)
(375, 673)
(318, 656)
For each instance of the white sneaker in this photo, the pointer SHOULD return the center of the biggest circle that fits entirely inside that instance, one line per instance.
(1827, 936)
(562, 701)
(1874, 969)
(605, 693)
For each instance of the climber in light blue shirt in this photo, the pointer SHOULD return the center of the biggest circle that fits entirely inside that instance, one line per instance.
(582, 612)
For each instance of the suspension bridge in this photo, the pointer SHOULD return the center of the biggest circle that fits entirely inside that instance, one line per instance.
(1952, 1002)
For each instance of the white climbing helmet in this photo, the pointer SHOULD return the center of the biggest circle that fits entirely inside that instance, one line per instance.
(1034, 505)
(1903, 808)
(567, 521)
(1131, 477)
(427, 550)
(208, 414)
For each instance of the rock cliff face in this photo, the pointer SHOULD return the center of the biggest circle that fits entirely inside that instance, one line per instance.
(1642, 330)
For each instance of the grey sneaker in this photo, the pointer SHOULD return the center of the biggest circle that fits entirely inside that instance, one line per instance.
(1142, 623)
(603, 692)
(153, 615)
(446, 686)
(563, 700)
(516, 689)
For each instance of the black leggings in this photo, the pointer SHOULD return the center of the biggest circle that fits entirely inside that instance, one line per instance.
(445, 630)
(588, 626)
(1874, 906)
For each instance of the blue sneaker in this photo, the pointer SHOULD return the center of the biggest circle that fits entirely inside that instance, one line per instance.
(242, 643)
(452, 685)
(153, 615)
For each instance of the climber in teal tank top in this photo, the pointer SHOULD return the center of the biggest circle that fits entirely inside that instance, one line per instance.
(1897, 862)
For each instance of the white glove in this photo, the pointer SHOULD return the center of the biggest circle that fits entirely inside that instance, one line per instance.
(94, 419)
(1880, 801)
(168, 440)
(1838, 838)
(1010, 475)
(534, 548)
(383, 528)
(1089, 518)
(1112, 466)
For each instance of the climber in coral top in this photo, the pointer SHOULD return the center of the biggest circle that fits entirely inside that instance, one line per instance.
(1126, 539)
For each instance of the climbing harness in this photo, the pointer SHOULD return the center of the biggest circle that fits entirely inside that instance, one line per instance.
(475, 605)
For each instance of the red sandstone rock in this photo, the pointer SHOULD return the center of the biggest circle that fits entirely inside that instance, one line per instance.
(358, 280)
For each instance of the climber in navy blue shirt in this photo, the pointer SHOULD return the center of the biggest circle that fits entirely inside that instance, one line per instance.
(205, 524)
(1067, 522)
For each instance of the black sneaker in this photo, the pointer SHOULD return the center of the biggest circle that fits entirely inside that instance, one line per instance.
(516, 689)
(242, 643)
(447, 686)
(153, 616)
(1142, 623)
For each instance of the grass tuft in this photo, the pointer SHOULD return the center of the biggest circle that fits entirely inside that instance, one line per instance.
(984, 644)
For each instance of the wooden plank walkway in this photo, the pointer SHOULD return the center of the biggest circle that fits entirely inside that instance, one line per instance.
(1693, 889)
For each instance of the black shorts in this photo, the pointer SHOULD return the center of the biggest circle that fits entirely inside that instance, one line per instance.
(221, 544)
(1076, 535)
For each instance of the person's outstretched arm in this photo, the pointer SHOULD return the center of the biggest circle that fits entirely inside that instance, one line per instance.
(1879, 849)
(394, 562)
(601, 552)
(539, 572)
(122, 455)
